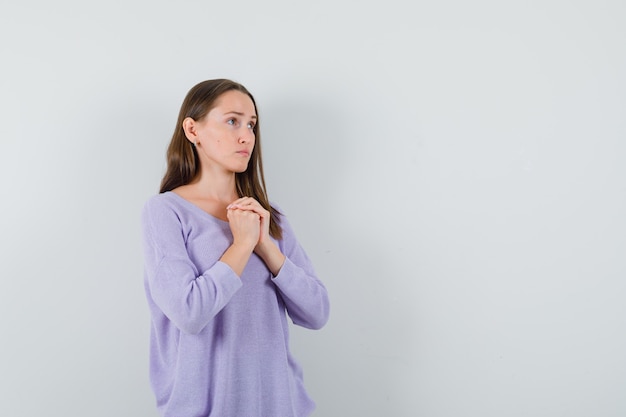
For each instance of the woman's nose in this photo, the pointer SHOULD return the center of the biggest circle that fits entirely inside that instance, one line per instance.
(246, 136)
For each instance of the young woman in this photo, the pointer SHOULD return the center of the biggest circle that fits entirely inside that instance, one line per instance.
(223, 269)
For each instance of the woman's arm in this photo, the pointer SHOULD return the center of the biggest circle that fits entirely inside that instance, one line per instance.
(188, 297)
(306, 298)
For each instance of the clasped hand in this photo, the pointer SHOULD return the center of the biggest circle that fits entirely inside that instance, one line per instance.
(249, 222)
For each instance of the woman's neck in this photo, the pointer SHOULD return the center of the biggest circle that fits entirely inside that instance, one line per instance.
(216, 186)
(210, 193)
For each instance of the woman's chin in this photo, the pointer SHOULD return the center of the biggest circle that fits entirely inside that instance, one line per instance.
(240, 170)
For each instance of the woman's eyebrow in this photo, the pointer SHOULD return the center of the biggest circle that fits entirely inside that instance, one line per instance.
(240, 114)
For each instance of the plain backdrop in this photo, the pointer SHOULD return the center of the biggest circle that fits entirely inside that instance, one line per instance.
(454, 169)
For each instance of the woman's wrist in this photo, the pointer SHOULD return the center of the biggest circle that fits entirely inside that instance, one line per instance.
(237, 256)
(271, 255)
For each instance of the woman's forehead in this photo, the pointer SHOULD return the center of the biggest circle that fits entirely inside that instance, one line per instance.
(234, 101)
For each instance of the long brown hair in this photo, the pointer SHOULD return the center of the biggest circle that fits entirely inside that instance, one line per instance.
(183, 164)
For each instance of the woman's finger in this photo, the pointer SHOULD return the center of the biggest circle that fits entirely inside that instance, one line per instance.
(241, 202)
(248, 203)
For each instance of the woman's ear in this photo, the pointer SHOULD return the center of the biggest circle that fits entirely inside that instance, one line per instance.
(189, 127)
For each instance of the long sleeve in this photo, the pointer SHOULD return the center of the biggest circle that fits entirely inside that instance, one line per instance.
(305, 297)
(188, 298)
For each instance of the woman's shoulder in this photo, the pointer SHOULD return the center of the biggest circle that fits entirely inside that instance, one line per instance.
(162, 202)
(283, 218)
(159, 199)
(279, 210)
(276, 207)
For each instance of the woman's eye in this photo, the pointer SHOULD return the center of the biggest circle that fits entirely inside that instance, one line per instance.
(231, 121)
(251, 125)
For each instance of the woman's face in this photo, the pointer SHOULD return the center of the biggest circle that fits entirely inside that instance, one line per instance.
(224, 137)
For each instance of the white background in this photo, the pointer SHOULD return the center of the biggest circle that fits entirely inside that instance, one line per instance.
(454, 169)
